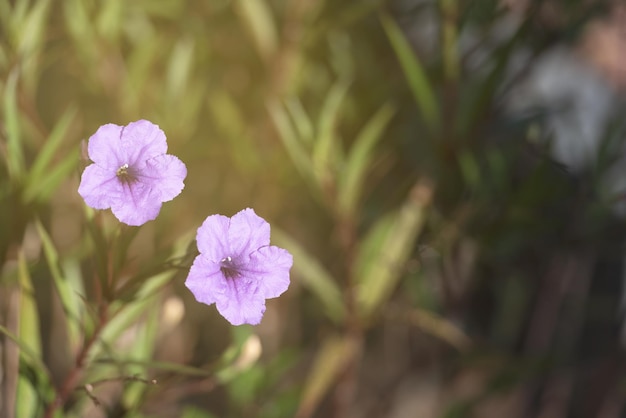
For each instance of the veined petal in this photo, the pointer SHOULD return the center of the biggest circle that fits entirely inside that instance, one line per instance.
(212, 237)
(142, 140)
(99, 187)
(243, 303)
(165, 173)
(247, 233)
(104, 147)
(206, 281)
(270, 267)
(138, 204)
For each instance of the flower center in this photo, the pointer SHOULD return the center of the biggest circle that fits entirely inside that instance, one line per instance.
(125, 174)
(228, 268)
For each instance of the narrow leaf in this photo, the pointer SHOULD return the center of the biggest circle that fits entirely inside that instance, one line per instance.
(313, 275)
(378, 282)
(70, 299)
(414, 72)
(51, 146)
(291, 141)
(330, 362)
(326, 143)
(44, 188)
(27, 401)
(352, 178)
(15, 154)
(258, 18)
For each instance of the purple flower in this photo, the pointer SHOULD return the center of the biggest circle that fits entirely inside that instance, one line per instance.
(237, 268)
(131, 174)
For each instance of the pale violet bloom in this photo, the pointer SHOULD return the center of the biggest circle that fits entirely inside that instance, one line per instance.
(131, 172)
(237, 268)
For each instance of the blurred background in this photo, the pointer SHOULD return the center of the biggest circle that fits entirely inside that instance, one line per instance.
(449, 176)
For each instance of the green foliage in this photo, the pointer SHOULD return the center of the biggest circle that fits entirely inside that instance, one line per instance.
(386, 163)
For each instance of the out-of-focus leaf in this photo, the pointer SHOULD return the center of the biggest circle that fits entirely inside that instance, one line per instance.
(240, 357)
(42, 190)
(179, 67)
(142, 348)
(258, 18)
(414, 72)
(379, 280)
(80, 26)
(41, 165)
(371, 244)
(30, 32)
(470, 170)
(326, 145)
(70, 299)
(291, 141)
(476, 107)
(27, 402)
(314, 276)
(193, 412)
(301, 120)
(330, 362)
(110, 19)
(353, 176)
(129, 312)
(156, 365)
(229, 120)
(15, 154)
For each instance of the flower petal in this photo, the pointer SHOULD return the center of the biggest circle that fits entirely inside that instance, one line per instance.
(205, 280)
(98, 187)
(212, 237)
(270, 267)
(139, 204)
(242, 303)
(165, 174)
(142, 140)
(104, 147)
(247, 233)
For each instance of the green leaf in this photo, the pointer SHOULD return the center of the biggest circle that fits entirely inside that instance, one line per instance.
(142, 349)
(27, 400)
(44, 157)
(258, 18)
(330, 362)
(313, 275)
(290, 140)
(414, 72)
(43, 189)
(353, 176)
(110, 19)
(179, 68)
(15, 154)
(128, 313)
(392, 252)
(301, 119)
(66, 289)
(326, 144)
(31, 31)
